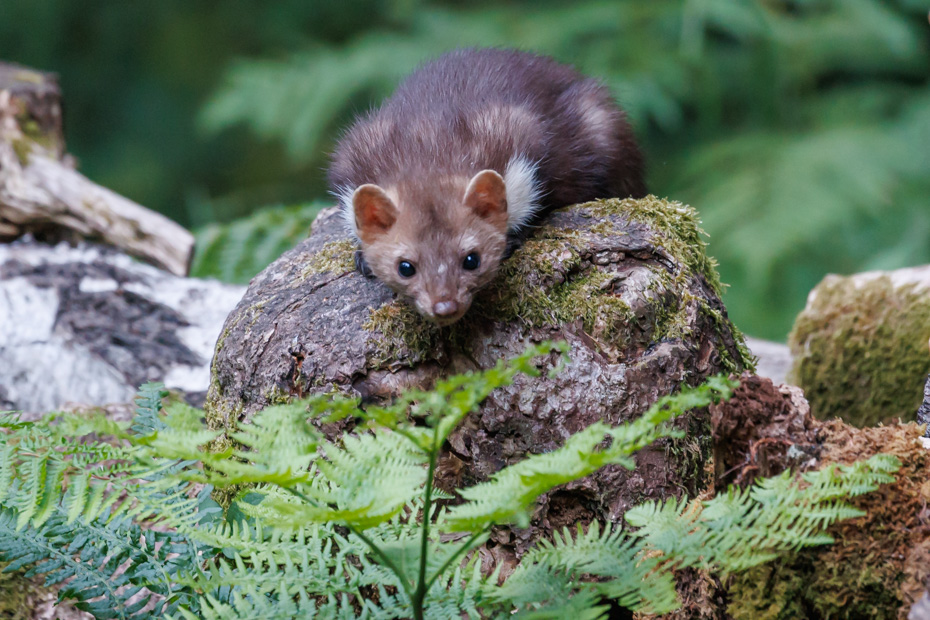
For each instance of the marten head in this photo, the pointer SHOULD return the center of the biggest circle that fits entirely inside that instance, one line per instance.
(434, 241)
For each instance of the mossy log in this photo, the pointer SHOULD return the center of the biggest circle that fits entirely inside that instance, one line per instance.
(42, 194)
(626, 283)
(879, 565)
(860, 346)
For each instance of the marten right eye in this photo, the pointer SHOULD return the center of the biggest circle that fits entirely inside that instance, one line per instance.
(406, 269)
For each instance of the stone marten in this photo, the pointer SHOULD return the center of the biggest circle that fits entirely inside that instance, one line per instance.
(439, 183)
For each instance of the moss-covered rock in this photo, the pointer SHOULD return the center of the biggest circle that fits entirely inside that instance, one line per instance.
(860, 346)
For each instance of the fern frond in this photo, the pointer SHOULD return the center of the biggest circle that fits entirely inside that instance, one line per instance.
(340, 529)
(83, 558)
(457, 593)
(366, 482)
(541, 590)
(741, 529)
(147, 417)
(622, 572)
(509, 494)
(237, 251)
(253, 604)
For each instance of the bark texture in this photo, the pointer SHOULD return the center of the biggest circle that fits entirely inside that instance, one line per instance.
(42, 194)
(87, 325)
(626, 283)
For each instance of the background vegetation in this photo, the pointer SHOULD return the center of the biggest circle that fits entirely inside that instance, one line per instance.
(798, 128)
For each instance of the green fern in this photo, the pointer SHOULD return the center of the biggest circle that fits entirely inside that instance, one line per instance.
(70, 510)
(352, 528)
(741, 529)
(236, 251)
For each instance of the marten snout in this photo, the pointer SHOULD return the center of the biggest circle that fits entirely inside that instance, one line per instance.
(445, 309)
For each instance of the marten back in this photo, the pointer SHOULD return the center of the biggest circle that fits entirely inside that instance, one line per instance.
(478, 109)
(471, 148)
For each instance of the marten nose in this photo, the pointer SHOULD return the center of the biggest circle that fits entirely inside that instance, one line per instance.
(445, 308)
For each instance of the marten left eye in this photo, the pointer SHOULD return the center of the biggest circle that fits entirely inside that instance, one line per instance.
(471, 261)
(406, 269)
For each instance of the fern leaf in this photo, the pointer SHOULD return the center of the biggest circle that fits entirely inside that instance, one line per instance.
(741, 529)
(83, 559)
(237, 251)
(365, 483)
(510, 493)
(51, 493)
(147, 418)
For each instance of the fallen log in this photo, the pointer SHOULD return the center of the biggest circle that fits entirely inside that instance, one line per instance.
(43, 195)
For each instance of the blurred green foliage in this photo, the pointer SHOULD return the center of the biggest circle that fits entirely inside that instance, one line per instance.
(236, 251)
(798, 128)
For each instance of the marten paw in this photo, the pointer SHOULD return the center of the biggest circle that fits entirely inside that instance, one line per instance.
(361, 265)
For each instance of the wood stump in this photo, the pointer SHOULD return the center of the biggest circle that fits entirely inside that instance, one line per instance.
(626, 283)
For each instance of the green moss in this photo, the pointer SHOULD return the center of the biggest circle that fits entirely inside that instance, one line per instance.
(32, 136)
(277, 396)
(23, 149)
(878, 561)
(745, 360)
(402, 330)
(679, 229)
(218, 413)
(757, 594)
(335, 256)
(690, 455)
(604, 315)
(31, 129)
(860, 352)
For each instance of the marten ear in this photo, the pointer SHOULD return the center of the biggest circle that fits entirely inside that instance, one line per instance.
(375, 213)
(487, 197)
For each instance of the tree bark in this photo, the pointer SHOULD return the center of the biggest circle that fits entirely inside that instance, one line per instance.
(86, 325)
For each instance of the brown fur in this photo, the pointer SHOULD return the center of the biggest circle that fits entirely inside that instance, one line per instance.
(427, 177)
(436, 241)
